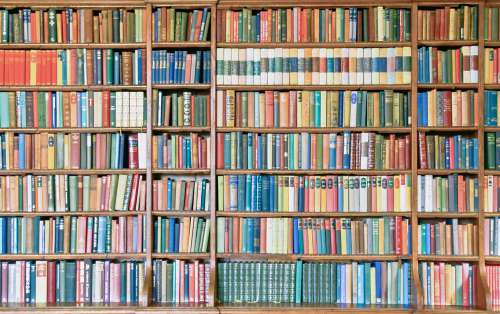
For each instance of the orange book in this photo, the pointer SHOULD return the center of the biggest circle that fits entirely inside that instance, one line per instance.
(191, 282)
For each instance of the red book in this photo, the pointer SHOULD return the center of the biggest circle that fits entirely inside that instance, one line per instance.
(133, 193)
(397, 234)
(51, 282)
(53, 67)
(269, 118)
(236, 235)
(263, 235)
(133, 161)
(465, 284)
(220, 151)
(390, 197)
(48, 110)
(191, 283)
(422, 147)
(2, 67)
(75, 150)
(452, 153)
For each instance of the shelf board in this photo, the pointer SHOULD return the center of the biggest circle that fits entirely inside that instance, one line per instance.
(67, 256)
(182, 86)
(493, 86)
(370, 44)
(79, 213)
(311, 308)
(404, 87)
(447, 215)
(15, 172)
(448, 258)
(180, 213)
(314, 129)
(491, 172)
(181, 171)
(492, 128)
(313, 172)
(490, 214)
(181, 44)
(492, 259)
(447, 43)
(311, 214)
(442, 172)
(293, 257)
(68, 88)
(447, 129)
(448, 86)
(182, 256)
(190, 129)
(75, 130)
(491, 43)
(73, 45)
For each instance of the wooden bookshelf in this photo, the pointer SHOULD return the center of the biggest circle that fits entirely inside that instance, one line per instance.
(211, 172)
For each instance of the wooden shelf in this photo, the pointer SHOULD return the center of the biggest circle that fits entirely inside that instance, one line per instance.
(457, 129)
(314, 130)
(182, 171)
(313, 172)
(491, 43)
(72, 46)
(16, 172)
(293, 257)
(181, 256)
(311, 214)
(398, 87)
(308, 308)
(443, 172)
(491, 86)
(446, 86)
(491, 129)
(67, 256)
(183, 213)
(489, 214)
(428, 215)
(182, 86)
(448, 43)
(492, 259)
(492, 172)
(181, 44)
(448, 258)
(69, 88)
(74, 130)
(79, 213)
(182, 129)
(374, 44)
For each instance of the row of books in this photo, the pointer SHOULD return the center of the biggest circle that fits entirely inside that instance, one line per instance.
(268, 193)
(314, 283)
(73, 67)
(493, 281)
(71, 193)
(449, 66)
(238, 150)
(492, 150)
(491, 112)
(491, 26)
(447, 151)
(180, 109)
(190, 151)
(448, 23)
(52, 235)
(72, 25)
(317, 66)
(447, 237)
(181, 235)
(314, 236)
(72, 151)
(313, 25)
(70, 282)
(492, 236)
(447, 108)
(448, 284)
(491, 187)
(452, 193)
(26, 109)
(491, 65)
(170, 24)
(180, 67)
(313, 109)
(181, 194)
(180, 282)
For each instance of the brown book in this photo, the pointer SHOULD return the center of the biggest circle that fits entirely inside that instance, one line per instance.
(67, 111)
(73, 112)
(163, 24)
(90, 67)
(127, 67)
(75, 151)
(87, 25)
(80, 193)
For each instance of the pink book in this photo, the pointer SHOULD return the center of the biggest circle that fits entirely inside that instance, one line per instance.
(329, 193)
(196, 283)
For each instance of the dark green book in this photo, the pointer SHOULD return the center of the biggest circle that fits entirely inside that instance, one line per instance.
(490, 151)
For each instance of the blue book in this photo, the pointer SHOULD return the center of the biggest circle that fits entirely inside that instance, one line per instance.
(361, 283)
(101, 234)
(140, 79)
(406, 283)
(171, 234)
(250, 235)
(22, 152)
(298, 282)
(176, 234)
(317, 108)
(248, 193)
(85, 114)
(342, 284)
(3, 235)
(378, 282)
(341, 108)
(188, 161)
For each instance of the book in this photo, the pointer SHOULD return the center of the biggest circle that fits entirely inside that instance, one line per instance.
(73, 193)
(314, 236)
(491, 26)
(266, 193)
(188, 151)
(447, 108)
(492, 150)
(180, 109)
(447, 237)
(448, 23)
(239, 150)
(313, 66)
(492, 279)
(448, 284)
(314, 283)
(300, 109)
(73, 235)
(181, 67)
(298, 24)
(492, 236)
(26, 109)
(173, 25)
(447, 151)
(181, 235)
(491, 193)
(181, 194)
(68, 25)
(72, 151)
(72, 282)
(453, 193)
(448, 65)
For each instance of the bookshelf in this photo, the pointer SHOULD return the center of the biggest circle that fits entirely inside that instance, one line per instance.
(211, 172)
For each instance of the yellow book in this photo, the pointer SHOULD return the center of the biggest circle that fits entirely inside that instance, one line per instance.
(466, 24)
(67, 151)
(348, 275)
(452, 35)
(51, 142)
(305, 108)
(343, 235)
(308, 60)
(323, 196)
(347, 108)
(284, 194)
(396, 193)
(373, 289)
(299, 109)
(323, 109)
(399, 74)
(33, 73)
(293, 75)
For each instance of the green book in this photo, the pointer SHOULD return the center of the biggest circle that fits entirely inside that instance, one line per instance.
(169, 270)
(115, 16)
(183, 29)
(113, 192)
(490, 151)
(109, 67)
(73, 193)
(173, 24)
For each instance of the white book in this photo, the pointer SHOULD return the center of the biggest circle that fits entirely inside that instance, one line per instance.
(249, 66)
(142, 149)
(329, 66)
(126, 109)
(359, 65)
(286, 60)
(363, 194)
(97, 109)
(220, 106)
(264, 66)
(139, 109)
(322, 71)
(41, 282)
(345, 72)
(271, 70)
(375, 68)
(301, 65)
(428, 200)
(119, 109)
(256, 67)
(227, 66)
(296, 12)
(353, 109)
(391, 65)
(220, 66)
(299, 108)
(323, 109)
(364, 150)
(242, 66)
(235, 66)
